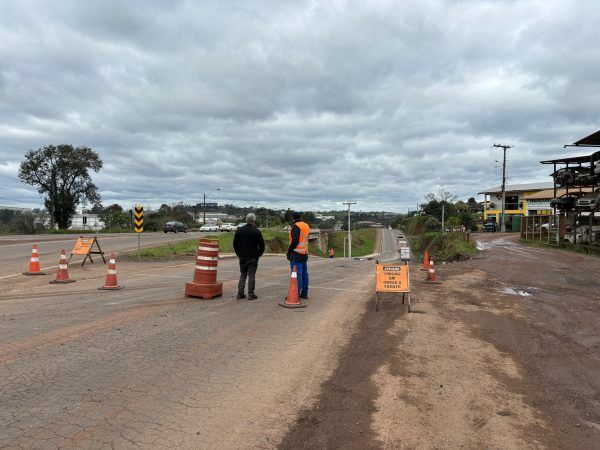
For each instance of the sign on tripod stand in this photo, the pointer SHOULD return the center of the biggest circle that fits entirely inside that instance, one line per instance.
(392, 278)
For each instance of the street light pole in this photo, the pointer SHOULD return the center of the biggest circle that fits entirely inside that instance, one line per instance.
(349, 229)
(204, 206)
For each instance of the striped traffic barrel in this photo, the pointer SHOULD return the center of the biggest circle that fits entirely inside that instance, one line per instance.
(207, 261)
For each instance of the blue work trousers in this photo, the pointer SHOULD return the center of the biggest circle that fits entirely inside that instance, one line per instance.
(302, 271)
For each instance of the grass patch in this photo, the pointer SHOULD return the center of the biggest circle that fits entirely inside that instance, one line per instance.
(275, 242)
(363, 242)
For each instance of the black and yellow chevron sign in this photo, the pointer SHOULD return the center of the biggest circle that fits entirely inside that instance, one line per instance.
(138, 219)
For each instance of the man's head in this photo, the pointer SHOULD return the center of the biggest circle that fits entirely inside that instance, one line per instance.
(250, 218)
(297, 215)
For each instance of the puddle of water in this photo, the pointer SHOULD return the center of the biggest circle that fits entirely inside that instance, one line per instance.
(513, 291)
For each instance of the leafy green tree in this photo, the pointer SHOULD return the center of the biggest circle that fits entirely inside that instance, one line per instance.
(115, 217)
(61, 174)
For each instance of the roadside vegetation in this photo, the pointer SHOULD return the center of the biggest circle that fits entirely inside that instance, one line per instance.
(275, 242)
(364, 242)
(447, 243)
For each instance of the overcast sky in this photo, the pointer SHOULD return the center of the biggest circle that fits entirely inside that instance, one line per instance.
(300, 104)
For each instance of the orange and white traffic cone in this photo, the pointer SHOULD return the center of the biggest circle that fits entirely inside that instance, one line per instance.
(62, 274)
(431, 278)
(426, 260)
(111, 283)
(34, 263)
(292, 300)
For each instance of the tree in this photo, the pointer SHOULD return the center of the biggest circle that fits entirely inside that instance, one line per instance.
(61, 174)
(114, 217)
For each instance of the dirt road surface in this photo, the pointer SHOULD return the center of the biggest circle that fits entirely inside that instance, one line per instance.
(504, 353)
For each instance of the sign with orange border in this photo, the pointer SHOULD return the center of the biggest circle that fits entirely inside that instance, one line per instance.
(84, 246)
(392, 278)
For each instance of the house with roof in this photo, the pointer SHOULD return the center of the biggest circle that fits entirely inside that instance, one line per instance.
(516, 200)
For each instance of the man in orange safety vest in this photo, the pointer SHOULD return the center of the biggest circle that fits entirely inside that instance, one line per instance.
(297, 252)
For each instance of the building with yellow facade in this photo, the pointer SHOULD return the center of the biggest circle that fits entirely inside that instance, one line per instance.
(515, 204)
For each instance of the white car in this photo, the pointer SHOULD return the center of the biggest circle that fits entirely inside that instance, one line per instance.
(227, 227)
(208, 227)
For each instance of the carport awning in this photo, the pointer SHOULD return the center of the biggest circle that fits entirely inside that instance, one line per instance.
(593, 140)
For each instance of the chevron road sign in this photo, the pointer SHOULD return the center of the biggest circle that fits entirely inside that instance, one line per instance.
(138, 219)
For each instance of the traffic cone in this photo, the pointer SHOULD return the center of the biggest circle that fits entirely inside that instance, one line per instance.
(111, 283)
(425, 260)
(62, 274)
(292, 300)
(431, 279)
(34, 263)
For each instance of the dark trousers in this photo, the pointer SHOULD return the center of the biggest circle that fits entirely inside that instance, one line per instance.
(248, 268)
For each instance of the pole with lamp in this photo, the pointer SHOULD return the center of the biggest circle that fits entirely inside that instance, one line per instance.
(204, 205)
(349, 229)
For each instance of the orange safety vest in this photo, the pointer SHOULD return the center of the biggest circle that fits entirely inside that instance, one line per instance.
(302, 246)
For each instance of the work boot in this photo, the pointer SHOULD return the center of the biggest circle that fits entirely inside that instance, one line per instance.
(241, 296)
(304, 296)
(252, 297)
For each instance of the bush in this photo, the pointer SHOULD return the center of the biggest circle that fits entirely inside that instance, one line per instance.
(446, 246)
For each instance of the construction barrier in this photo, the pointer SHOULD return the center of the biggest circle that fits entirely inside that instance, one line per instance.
(205, 285)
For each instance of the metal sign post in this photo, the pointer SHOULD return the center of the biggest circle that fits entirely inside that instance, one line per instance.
(138, 226)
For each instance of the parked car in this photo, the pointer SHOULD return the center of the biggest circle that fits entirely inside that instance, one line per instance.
(175, 227)
(489, 226)
(227, 227)
(209, 227)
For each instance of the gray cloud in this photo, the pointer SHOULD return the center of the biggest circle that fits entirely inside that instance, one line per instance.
(299, 104)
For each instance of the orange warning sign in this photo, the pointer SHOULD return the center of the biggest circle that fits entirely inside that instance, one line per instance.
(392, 278)
(83, 246)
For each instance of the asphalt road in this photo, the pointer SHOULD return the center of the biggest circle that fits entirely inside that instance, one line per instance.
(146, 367)
(389, 251)
(15, 251)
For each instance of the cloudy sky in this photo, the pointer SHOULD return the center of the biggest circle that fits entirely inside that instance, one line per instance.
(300, 104)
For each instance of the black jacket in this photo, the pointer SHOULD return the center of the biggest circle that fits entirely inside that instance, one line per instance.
(248, 242)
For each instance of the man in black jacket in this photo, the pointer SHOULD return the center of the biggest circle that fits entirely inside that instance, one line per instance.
(249, 245)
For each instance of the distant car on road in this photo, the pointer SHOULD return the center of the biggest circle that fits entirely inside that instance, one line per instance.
(175, 227)
(208, 227)
(227, 227)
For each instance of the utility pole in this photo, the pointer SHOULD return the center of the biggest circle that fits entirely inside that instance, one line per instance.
(349, 229)
(204, 206)
(443, 214)
(504, 148)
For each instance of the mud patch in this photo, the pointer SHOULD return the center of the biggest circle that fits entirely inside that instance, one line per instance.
(342, 416)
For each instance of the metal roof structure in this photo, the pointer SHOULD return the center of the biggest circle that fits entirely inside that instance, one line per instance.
(525, 187)
(569, 160)
(549, 193)
(593, 140)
